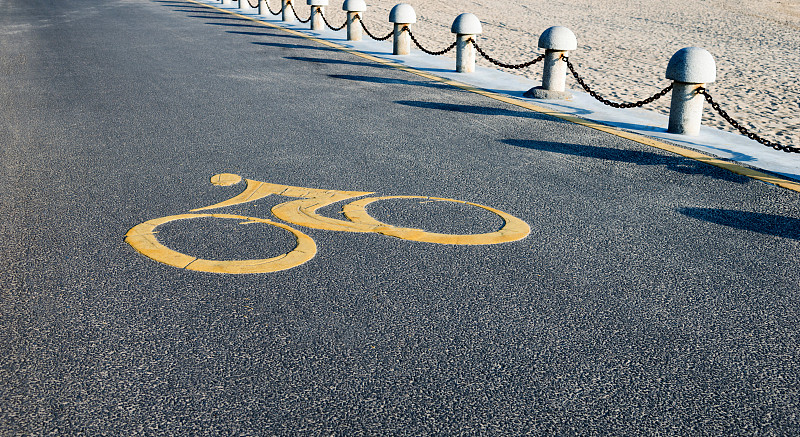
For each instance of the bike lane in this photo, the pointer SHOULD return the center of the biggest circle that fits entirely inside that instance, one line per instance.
(652, 293)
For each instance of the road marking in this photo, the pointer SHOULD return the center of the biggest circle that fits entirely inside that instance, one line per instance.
(303, 212)
(511, 230)
(226, 179)
(142, 237)
(686, 153)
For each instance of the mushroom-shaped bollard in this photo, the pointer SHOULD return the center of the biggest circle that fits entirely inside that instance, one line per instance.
(402, 15)
(689, 69)
(317, 9)
(557, 41)
(466, 27)
(287, 16)
(354, 8)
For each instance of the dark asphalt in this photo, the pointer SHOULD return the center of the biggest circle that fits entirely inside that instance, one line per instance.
(654, 295)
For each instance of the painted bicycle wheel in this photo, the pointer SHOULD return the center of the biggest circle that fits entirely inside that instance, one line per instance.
(142, 237)
(513, 228)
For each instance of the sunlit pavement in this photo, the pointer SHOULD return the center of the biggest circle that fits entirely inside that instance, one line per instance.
(653, 294)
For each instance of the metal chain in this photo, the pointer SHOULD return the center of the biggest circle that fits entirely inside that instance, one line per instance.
(743, 130)
(252, 5)
(430, 52)
(291, 5)
(638, 104)
(358, 17)
(270, 9)
(329, 24)
(502, 64)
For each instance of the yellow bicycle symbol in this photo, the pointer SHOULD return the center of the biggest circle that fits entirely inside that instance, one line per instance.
(303, 212)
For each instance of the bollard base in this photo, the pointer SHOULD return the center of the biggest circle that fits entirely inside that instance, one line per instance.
(545, 94)
(686, 109)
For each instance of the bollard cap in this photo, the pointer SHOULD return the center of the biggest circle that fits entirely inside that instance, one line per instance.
(354, 6)
(692, 65)
(466, 24)
(317, 2)
(403, 14)
(558, 38)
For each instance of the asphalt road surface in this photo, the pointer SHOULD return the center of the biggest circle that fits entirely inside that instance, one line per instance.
(653, 295)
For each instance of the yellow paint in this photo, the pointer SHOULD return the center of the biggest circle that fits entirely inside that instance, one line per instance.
(303, 212)
(143, 238)
(300, 212)
(226, 179)
(687, 153)
(514, 229)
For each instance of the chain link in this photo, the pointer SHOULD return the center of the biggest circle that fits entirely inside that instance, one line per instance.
(358, 17)
(291, 5)
(325, 19)
(638, 104)
(249, 2)
(430, 52)
(743, 130)
(270, 9)
(502, 64)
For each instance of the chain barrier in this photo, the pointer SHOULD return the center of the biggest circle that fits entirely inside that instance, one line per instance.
(250, 2)
(503, 64)
(638, 104)
(291, 5)
(270, 9)
(358, 17)
(430, 52)
(743, 130)
(325, 19)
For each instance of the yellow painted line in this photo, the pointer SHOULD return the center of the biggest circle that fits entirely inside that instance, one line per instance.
(513, 229)
(142, 237)
(226, 179)
(302, 212)
(687, 153)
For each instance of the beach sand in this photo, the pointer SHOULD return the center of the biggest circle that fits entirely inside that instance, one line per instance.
(624, 47)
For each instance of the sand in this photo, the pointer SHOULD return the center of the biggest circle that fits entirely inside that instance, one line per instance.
(624, 47)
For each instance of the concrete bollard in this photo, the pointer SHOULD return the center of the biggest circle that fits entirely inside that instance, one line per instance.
(244, 5)
(317, 9)
(287, 16)
(262, 8)
(402, 15)
(227, 2)
(557, 41)
(689, 68)
(354, 8)
(466, 26)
